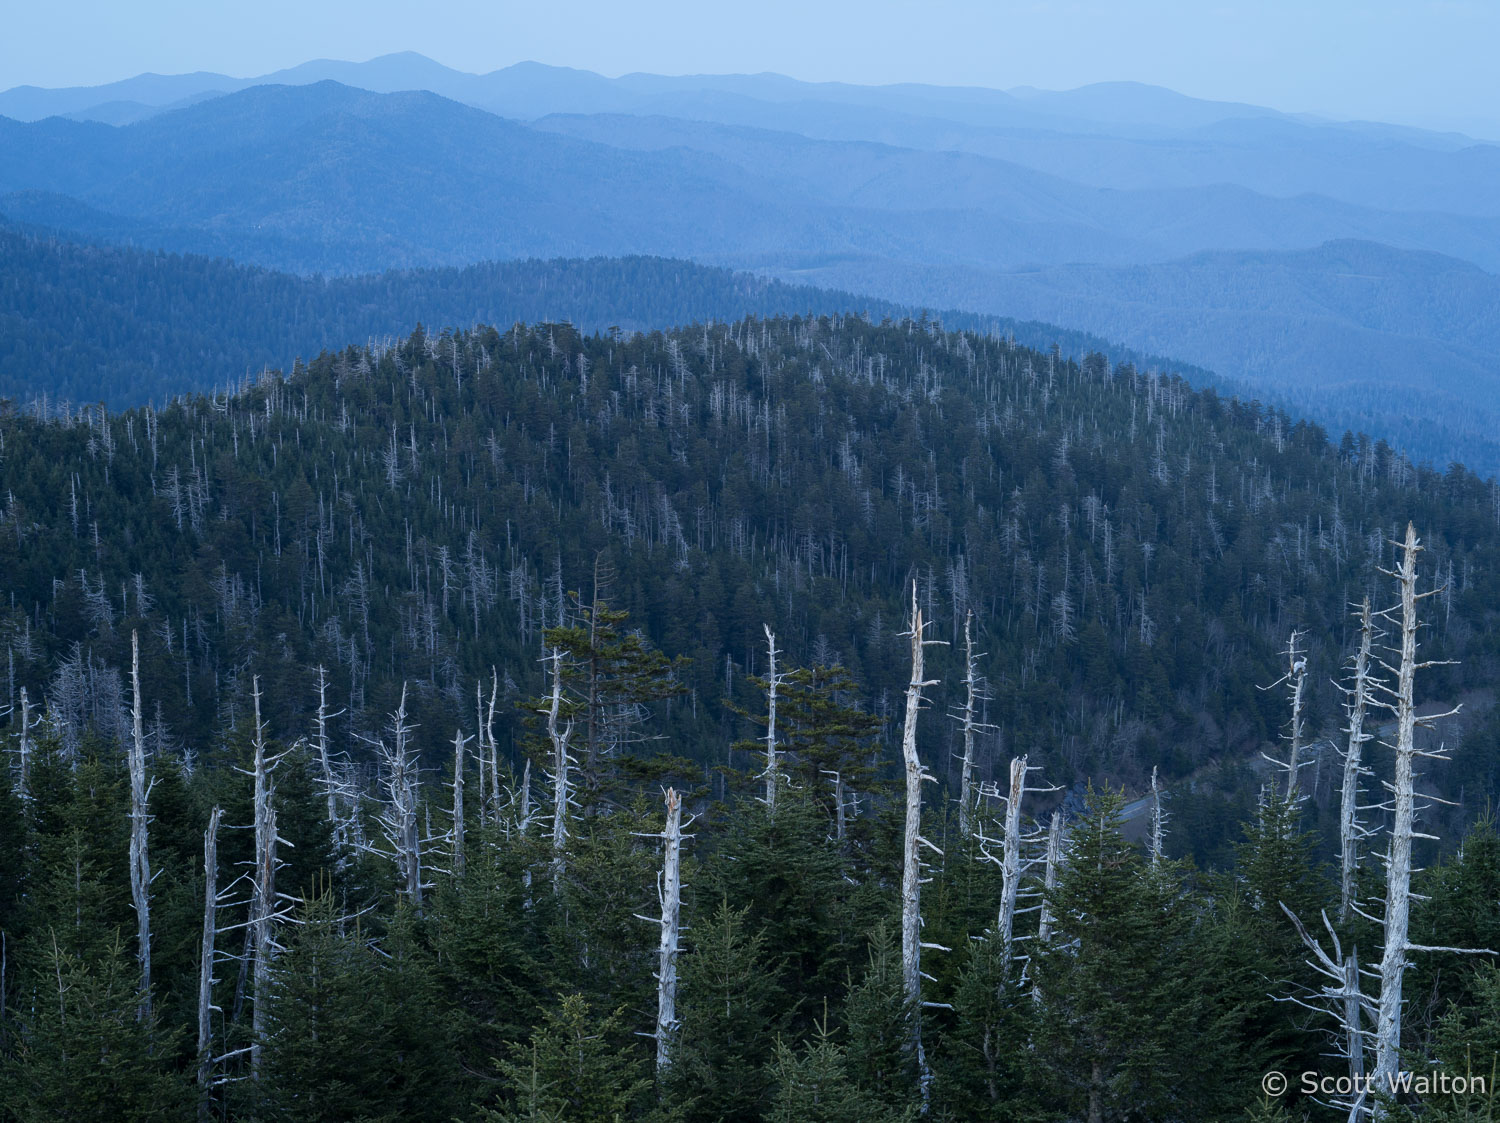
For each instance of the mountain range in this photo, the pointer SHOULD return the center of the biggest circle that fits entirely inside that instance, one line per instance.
(1331, 265)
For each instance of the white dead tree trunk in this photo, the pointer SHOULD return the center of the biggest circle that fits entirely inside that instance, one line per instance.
(263, 894)
(399, 768)
(1295, 680)
(911, 875)
(206, 966)
(140, 860)
(773, 682)
(481, 751)
(489, 737)
(1049, 883)
(669, 892)
(1011, 859)
(23, 782)
(970, 726)
(1341, 997)
(1351, 833)
(1158, 821)
(1402, 806)
(562, 762)
(459, 741)
(333, 787)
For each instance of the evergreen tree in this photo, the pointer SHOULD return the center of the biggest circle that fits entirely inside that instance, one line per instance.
(81, 1052)
(729, 1004)
(1126, 1028)
(579, 1068)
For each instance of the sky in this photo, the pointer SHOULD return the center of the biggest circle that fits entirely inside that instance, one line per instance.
(1421, 62)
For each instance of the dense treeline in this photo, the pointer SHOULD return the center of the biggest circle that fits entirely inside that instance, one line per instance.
(1135, 553)
(521, 984)
(544, 554)
(121, 325)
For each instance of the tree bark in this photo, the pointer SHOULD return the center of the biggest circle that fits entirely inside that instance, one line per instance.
(1349, 830)
(263, 895)
(911, 875)
(1398, 859)
(206, 967)
(140, 860)
(773, 767)
(671, 905)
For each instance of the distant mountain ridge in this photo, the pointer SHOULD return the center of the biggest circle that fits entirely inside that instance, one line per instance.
(101, 323)
(1194, 229)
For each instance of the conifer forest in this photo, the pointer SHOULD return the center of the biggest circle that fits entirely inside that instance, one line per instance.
(791, 719)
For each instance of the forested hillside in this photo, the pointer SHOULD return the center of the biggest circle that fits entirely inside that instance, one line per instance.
(90, 323)
(540, 554)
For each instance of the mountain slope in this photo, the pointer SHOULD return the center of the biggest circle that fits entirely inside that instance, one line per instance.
(112, 324)
(1358, 335)
(1135, 553)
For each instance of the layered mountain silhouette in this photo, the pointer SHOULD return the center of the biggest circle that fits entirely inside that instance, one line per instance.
(1333, 265)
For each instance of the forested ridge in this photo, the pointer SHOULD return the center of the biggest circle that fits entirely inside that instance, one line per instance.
(503, 545)
(85, 321)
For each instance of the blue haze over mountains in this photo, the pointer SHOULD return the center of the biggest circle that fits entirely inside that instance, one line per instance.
(1344, 269)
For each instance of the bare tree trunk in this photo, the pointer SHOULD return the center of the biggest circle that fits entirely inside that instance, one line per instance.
(23, 789)
(671, 906)
(206, 966)
(966, 771)
(911, 875)
(482, 750)
(140, 861)
(1350, 832)
(1297, 677)
(1010, 859)
(773, 767)
(459, 741)
(325, 762)
(561, 763)
(1049, 883)
(263, 896)
(489, 736)
(1398, 855)
(1158, 821)
(1354, 1002)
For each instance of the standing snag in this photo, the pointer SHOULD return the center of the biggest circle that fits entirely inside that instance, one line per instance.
(911, 873)
(140, 861)
(1351, 832)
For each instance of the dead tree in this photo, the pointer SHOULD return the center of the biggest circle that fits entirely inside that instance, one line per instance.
(459, 741)
(1158, 821)
(1341, 997)
(773, 681)
(23, 780)
(1351, 832)
(402, 781)
(334, 787)
(1295, 680)
(562, 762)
(1012, 860)
(263, 908)
(489, 737)
(1402, 807)
(1053, 863)
(973, 695)
(481, 753)
(911, 876)
(669, 893)
(206, 966)
(140, 817)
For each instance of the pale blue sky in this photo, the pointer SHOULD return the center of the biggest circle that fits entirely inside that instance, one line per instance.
(1428, 62)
